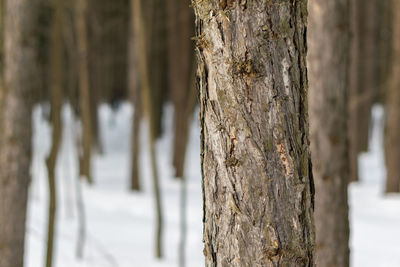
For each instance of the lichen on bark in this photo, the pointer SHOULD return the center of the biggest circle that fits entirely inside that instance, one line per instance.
(256, 168)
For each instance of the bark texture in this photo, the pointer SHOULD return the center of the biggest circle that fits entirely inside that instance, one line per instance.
(328, 54)
(18, 76)
(257, 180)
(392, 134)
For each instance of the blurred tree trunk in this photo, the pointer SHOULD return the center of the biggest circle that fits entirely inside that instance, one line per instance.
(256, 167)
(18, 83)
(147, 97)
(353, 89)
(157, 61)
(135, 94)
(181, 78)
(56, 95)
(368, 21)
(84, 89)
(392, 134)
(384, 42)
(108, 28)
(328, 57)
(364, 76)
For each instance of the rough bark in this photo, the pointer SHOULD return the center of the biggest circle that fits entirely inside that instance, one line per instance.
(18, 83)
(392, 134)
(257, 180)
(84, 89)
(328, 54)
(56, 92)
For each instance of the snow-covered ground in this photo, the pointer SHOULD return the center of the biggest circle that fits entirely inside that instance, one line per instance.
(120, 224)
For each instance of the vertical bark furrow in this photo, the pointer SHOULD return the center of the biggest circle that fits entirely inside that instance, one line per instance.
(253, 116)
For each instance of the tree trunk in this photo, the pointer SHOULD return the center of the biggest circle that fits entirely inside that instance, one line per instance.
(56, 91)
(84, 90)
(328, 46)
(353, 90)
(363, 77)
(181, 75)
(392, 134)
(135, 94)
(146, 92)
(367, 89)
(256, 167)
(18, 82)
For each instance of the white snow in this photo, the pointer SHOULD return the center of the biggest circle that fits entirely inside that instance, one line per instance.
(120, 223)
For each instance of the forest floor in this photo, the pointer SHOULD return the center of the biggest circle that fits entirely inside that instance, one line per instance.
(120, 223)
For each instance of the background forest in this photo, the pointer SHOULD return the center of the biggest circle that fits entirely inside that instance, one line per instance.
(103, 151)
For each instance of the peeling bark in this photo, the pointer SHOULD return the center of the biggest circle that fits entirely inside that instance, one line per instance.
(256, 167)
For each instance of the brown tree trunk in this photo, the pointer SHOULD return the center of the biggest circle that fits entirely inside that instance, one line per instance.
(134, 90)
(146, 92)
(353, 90)
(56, 91)
(181, 74)
(18, 82)
(392, 134)
(367, 84)
(363, 77)
(84, 90)
(256, 167)
(328, 54)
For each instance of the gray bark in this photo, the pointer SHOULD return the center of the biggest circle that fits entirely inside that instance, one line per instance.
(17, 84)
(257, 180)
(328, 54)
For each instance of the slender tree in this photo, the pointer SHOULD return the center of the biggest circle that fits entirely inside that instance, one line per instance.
(84, 88)
(392, 134)
(18, 82)
(257, 180)
(353, 90)
(147, 96)
(181, 75)
(328, 57)
(135, 94)
(56, 92)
